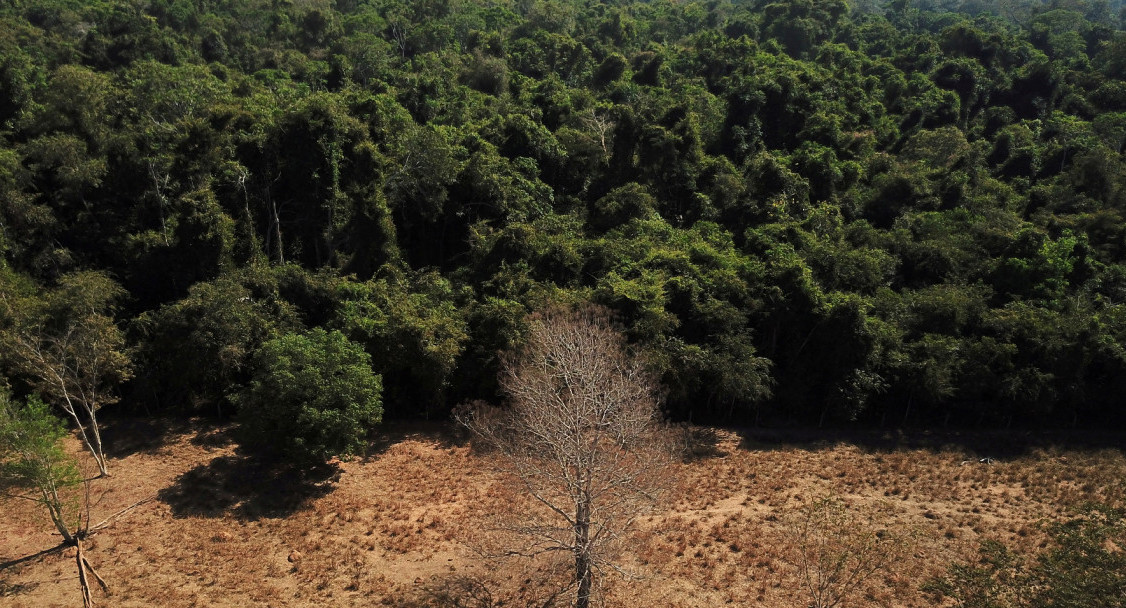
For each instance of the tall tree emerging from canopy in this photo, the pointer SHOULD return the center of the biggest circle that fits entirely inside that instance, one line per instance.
(582, 432)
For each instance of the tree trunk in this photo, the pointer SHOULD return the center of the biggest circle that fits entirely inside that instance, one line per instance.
(582, 564)
(51, 499)
(95, 447)
(100, 453)
(583, 575)
(70, 408)
(275, 227)
(85, 571)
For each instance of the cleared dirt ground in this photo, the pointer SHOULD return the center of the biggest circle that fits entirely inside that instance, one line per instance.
(208, 527)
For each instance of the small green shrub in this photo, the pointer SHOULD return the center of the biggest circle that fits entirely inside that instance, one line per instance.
(313, 396)
(1085, 567)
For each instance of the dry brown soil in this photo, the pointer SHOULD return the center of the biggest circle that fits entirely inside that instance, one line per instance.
(212, 528)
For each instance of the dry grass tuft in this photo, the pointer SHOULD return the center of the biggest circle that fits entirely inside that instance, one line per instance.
(407, 526)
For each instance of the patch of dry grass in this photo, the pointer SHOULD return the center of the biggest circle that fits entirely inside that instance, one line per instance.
(407, 524)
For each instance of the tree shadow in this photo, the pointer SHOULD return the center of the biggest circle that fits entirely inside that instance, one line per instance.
(21, 561)
(12, 567)
(975, 444)
(699, 442)
(248, 488)
(13, 589)
(443, 433)
(479, 591)
(124, 436)
(217, 437)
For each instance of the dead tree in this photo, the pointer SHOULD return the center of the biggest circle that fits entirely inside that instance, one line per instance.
(583, 434)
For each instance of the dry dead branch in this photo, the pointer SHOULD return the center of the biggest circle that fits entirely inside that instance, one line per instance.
(583, 435)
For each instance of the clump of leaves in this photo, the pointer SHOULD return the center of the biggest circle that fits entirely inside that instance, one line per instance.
(33, 464)
(313, 396)
(992, 582)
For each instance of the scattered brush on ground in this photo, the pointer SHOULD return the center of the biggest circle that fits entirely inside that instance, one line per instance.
(409, 524)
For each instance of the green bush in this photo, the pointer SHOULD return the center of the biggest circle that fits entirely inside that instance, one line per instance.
(313, 396)
(1085, 567)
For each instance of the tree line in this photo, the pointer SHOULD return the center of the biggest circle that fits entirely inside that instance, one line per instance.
(802, 212)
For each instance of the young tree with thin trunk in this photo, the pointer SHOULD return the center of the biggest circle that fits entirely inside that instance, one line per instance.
(836, 551)
(71, 349)
(34, 466)
(582, 431)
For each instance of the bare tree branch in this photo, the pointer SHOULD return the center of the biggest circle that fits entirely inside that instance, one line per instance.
(583, 434)
(76, 363)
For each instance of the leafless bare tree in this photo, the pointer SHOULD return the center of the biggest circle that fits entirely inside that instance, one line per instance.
(602, 125)
(583, 434)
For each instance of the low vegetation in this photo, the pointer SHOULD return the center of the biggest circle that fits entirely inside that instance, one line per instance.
(407, 524)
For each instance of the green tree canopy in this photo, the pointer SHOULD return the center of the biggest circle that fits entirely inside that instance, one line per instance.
(313, 396)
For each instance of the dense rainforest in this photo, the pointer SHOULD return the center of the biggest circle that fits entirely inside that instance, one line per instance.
(802, 211)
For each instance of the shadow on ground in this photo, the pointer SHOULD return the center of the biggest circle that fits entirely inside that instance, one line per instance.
(127, 435)
(217, 437)
(972, 444)
(20, 562)
(444, 433)
(247, 488)
(698, 442)
(11, 589)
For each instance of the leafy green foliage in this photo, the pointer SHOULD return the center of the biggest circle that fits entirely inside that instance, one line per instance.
(312, 396)
(1083, 567)
(413, 332)
(993, 582)
(33, 463)
(813, 211)
(1087, 566)
(197, 350)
